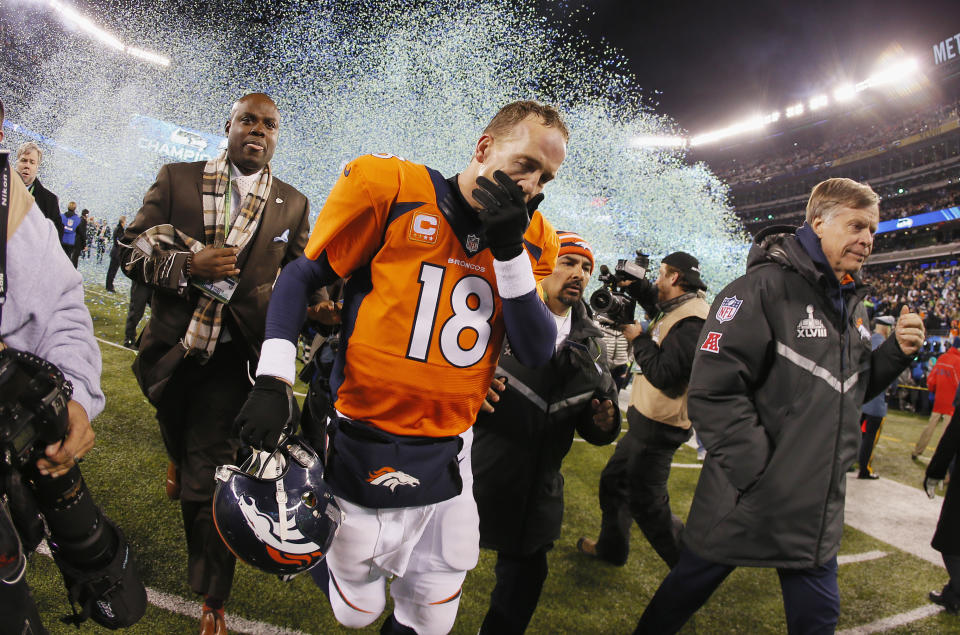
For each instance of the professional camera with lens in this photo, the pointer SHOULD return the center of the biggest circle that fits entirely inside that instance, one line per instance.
(611, 303)
(94, 558)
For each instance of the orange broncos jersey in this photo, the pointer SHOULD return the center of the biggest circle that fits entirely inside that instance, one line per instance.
(422, 325)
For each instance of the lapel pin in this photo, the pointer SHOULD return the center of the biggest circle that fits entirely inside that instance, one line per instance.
(279, 200)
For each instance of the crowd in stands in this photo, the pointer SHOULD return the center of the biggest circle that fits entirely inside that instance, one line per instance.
(845, 138)
(930, 290)
(938, 199)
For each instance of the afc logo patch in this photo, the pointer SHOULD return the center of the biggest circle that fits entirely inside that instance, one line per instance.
(728, 309)
(712, 343)
(424, 228)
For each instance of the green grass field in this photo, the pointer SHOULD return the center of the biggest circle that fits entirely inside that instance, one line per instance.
(126, 470)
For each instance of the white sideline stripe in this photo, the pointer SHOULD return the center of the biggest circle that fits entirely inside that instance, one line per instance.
(176, 604)
(693, 466)
(115, 345)
(894, 621)
(861, 557)
(181, 606)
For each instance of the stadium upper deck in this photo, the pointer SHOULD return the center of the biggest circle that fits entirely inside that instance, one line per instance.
(904, 142)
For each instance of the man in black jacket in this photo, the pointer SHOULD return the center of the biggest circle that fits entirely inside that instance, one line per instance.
(115, 253)
(518, 447)
(776, 392)
(633, 485)
(29, 156)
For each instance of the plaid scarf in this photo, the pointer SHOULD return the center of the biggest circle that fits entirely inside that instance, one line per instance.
(205, 325)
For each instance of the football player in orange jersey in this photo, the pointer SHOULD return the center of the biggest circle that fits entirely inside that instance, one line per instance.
(438, 272)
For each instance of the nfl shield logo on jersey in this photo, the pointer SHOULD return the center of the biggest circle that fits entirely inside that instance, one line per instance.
(728, 309)
(473, 243)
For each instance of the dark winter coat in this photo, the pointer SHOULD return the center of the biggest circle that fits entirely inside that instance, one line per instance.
(775, 395)
(947, 537)
(117, 235)
(517, 449)
(49, 204)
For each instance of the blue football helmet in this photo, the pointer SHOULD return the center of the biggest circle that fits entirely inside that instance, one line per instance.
(275, 512)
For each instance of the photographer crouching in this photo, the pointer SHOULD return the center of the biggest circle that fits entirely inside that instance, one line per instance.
(49, 392)
(633, 485)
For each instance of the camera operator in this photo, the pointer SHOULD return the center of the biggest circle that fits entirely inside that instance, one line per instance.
(49, 391)
(634, 482)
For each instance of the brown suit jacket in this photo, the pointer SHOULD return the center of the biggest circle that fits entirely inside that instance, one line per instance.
(175, 198)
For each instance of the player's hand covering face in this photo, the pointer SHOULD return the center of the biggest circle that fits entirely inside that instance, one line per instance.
(504, 214)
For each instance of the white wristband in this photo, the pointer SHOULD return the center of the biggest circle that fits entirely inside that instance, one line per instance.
(514, 276)
(278, 358)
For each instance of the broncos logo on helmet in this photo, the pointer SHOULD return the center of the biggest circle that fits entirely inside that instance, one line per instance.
(286, 537)
(389, 477)
(268, 530)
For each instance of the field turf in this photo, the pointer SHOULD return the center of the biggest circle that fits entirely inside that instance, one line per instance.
(126, 471)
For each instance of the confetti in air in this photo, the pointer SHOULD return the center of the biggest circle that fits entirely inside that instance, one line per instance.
(419, 80)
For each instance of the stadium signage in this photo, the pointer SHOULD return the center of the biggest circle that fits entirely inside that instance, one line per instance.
(946, 50)
(919, 220)
(175, 142)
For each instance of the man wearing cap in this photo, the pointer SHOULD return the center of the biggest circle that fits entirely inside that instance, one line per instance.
(871, 418)
(633, 485)
(942, 383)
(526, 428)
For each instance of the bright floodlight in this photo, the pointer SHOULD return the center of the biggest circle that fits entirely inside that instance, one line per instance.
(893, 74)
(794, 111)
(818, 102)
(754, 123)
(846, 92)
(73, 18)
(658, 141)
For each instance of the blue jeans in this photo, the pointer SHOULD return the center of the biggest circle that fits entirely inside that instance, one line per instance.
(811, 597)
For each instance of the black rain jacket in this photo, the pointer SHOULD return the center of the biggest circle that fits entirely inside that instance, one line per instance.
(775, 395)
(518, 449)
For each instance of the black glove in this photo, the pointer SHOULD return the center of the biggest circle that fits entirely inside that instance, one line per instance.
(269, 410)
(504, 215)
(533, 204)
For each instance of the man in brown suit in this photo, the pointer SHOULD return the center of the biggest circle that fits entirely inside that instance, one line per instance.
(233, 227)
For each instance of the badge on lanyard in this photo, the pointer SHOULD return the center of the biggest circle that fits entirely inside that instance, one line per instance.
(221, 290)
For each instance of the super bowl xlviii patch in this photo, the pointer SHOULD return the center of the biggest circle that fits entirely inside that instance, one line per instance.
(728, 309)
(811, 326)
(712, 343)
(864, 331)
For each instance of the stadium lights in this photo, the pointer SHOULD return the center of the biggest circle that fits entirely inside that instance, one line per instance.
(75, 19)
(892, 74)
(818, 102)
(655, 141)
(846, 92)
(754, 123)
(794, 111)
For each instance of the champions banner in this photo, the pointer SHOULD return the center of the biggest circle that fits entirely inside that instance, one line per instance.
(173, 142)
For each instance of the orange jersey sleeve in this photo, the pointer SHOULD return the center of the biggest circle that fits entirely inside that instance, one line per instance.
(353, 220)
(542, 246)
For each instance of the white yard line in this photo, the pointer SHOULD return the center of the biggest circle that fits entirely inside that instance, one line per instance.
(897, 514)
(894, 621)
(182, 606)
(861, 557)
(115, 345)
